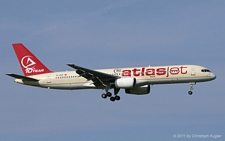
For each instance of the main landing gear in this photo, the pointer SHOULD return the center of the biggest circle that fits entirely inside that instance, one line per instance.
(108, 94)
(191, 88)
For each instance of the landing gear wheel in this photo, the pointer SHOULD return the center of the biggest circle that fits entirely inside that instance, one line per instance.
(190, 92)
(108, 94)
(112, 98)
(117, 97)
(104, 96)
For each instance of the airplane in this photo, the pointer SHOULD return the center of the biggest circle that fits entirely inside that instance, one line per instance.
(135, 80)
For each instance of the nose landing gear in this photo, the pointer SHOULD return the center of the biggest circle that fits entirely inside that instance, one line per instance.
(191, 88)
(190, 92)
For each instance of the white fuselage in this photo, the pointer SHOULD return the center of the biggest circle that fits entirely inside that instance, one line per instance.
(70, 80)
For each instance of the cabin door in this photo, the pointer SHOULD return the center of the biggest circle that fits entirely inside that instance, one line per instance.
(193, 72)
(48, 78)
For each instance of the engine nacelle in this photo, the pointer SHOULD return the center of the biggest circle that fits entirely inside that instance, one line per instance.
(139, 90)
(125, 82)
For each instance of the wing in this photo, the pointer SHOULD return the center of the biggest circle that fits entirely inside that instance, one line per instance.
(100, 79)
(21, 77)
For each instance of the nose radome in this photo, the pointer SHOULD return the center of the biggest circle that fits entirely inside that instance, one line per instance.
(213, 76)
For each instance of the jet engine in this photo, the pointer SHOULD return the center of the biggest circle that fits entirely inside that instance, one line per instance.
(139, 90)
(125, 82)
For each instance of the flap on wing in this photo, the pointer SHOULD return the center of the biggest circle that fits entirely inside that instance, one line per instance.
(21, 77)
(99, 78)
(93, 72)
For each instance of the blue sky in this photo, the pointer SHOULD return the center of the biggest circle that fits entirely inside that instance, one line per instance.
(109, 34)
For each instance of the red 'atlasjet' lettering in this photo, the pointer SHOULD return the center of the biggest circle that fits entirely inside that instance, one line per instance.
(155, 71)
(174, 70)
(161, 71)
(150, 72)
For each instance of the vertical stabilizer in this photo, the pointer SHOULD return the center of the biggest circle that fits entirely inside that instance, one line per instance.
(28, 61)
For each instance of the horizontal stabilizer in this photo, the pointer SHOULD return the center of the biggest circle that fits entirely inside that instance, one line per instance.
(21, 77)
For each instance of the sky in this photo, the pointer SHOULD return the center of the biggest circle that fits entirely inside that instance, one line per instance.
(109, 34)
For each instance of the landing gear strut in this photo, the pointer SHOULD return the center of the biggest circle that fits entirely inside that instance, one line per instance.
(191, 88)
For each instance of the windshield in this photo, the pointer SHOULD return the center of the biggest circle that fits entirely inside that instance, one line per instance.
(205, 70)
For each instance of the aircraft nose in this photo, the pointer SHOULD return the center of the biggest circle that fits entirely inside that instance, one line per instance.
(213, 76)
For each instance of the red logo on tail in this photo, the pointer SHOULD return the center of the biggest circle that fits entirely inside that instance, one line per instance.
(30, 64)
(27, 62)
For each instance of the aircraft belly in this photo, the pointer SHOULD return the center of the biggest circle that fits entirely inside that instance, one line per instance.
(172, 80)
(30, 83)
(70, 86)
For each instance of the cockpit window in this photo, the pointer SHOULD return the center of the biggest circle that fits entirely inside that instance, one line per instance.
(205, 70)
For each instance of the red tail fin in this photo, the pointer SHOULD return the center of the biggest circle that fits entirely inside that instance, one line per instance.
(28, 61)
